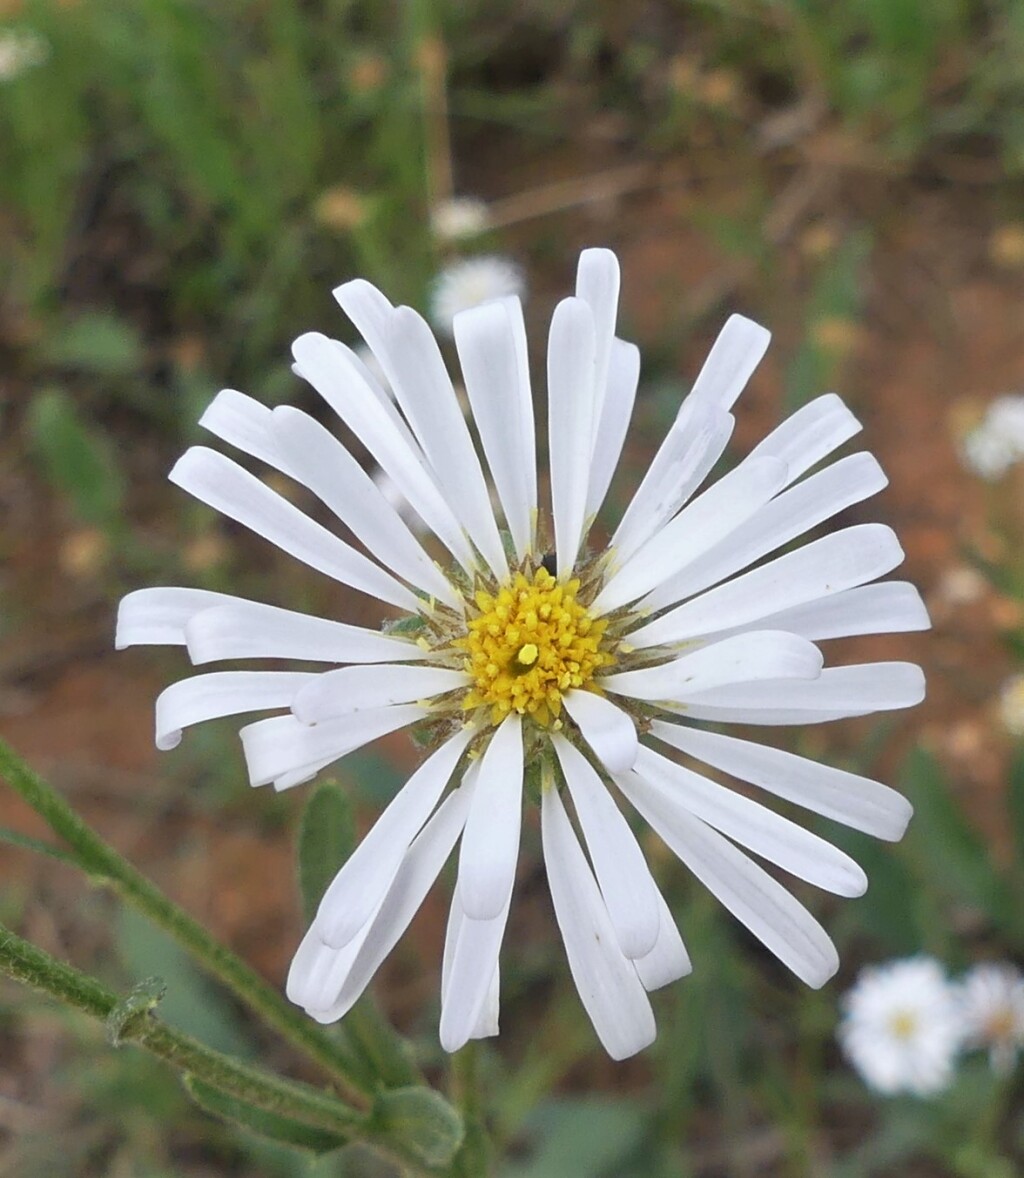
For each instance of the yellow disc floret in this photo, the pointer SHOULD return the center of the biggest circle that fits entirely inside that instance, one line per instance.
(529, 643)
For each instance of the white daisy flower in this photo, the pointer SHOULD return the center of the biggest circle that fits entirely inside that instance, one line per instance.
(537, 667)
(470, 282)
(992, 1006)
(1011, 705)
(459, 217)
(902, 1027)
(997, 442)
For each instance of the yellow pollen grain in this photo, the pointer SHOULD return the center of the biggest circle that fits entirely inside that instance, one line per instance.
(563, 648)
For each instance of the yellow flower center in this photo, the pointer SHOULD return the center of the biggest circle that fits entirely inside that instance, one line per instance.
(529, 643)
(903, 1024)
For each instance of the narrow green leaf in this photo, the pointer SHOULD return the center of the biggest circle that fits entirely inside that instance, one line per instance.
(78, 460)
(951, 851)
(1015, 804)
(428, 1127)
(139, 1001)
(266, 1124)
(99, 343)
(326, 838)
(17, 839)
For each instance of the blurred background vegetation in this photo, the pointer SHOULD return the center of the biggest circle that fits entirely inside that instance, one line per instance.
(182, 183)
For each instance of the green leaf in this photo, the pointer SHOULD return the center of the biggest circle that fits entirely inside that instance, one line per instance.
(139, 1001)
(192, 1003)
(266, 1124)
(948, 849)
(78, 460)
(585, 1138)
(1015, 804)
(423, 1121)
(326, 838)
(17, 839)
(98, 343)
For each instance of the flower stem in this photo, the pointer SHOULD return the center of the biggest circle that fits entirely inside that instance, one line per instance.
(98, 858)
(27, 963)
(473, 1159)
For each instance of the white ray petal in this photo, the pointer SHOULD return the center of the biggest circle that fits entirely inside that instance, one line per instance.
(795, 511)
(620, 396)
(622, 873)
(491, 340)
(891, 607)
(245, 423)
(222, 693)
(733, 357)
(329, 368)
(597, 284)
(712, 515)
(571, 347)
(843, 560)
(608, 730)
(668, 960)
(606, 979)
(240, 629)
(223, 485)
(845, 797)
(810, 434)
(741, 661)
(424, 390)
(691, 448)
(318, 972)
(472, 967)
(490, 844)
(158, 616)
(353, 689)
(324, 466)
(284, 745)
(360, 886)
(757, 901)
(838, 692)
(784, 843)
(419, 870)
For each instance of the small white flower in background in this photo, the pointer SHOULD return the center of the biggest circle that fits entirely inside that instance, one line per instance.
(997, 442)
(992, 1007)
(459, 218)
(21, 50)
(1011, 705)
(902, 1027)
(528, 660)
(470, 282)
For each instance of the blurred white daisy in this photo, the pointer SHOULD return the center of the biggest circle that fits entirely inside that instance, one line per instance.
(470, 282)
(1011, 705)
(902, 1027)
(992, 1006)
(532, 665)
(21, 50)
(459, 217)
(997, 442)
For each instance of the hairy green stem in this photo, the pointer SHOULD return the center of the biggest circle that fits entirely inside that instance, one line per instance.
(27, 963)
(100, 859)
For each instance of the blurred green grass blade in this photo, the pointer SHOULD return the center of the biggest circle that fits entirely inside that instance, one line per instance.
(266, 1124)
(951, 854)
(190, 1004)
(98, 343)
(1015, 805)
(77, 458)
(585, 1138)
(327, 836)
(832, 313)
